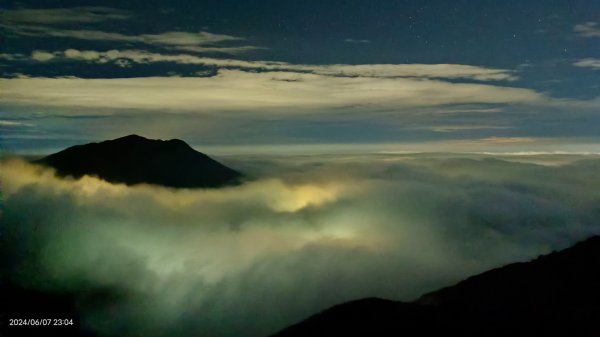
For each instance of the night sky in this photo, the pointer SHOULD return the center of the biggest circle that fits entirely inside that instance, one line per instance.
(219, 73)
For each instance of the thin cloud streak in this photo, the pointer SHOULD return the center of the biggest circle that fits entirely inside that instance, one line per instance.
(189, 41)
(588, 29)
(50, 23)
(447, 71)
(54, 16)
(588, 63)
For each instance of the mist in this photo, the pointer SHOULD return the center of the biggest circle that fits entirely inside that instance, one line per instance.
(304, 233)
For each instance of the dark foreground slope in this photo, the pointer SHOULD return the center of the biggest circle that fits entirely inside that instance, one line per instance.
(134, 159)
(553, 295)
(372, 317)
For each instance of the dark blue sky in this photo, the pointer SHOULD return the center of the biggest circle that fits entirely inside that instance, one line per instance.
(485, 72)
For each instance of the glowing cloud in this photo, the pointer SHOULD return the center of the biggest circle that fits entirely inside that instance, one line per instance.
(321, 231)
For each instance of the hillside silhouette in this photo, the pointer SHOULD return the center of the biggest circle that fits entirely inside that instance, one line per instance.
(554, 295)
(134, 159)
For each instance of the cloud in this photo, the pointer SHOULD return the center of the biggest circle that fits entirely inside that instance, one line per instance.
(470, 110)
(450, 71)
(455, 128)
(51, 22)
(588, 63)
(41, 56)
(53, 16)
(307, 233)
(201, 42)
(13, 123)
(542, 153)
(238, 90)
(587, 29)
(87, 55)
(12, 57)
(501, 140)
(187, 39)
(447, 71)
(357, 41)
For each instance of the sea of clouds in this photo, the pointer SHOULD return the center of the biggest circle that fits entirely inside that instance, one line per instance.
(302, 234)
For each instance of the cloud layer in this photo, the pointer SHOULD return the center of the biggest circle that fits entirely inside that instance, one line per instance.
(588, 63)
(54, 23)
(588, 29)
(442, 71)
(244, 90)
(56, 16)
(307, 233)
(275, 78)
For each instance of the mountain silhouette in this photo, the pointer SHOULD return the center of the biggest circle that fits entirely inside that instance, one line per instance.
(554, 295)
(134, 159)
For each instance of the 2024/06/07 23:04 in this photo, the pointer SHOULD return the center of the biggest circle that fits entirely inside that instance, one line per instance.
(40, 322)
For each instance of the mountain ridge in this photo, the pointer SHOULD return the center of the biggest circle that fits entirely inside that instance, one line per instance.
(557, 294)
(134, 159)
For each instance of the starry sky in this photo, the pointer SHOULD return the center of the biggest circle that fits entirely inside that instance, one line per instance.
(308, 76)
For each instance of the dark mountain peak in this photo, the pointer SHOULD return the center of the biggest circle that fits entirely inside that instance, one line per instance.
(134, 159)
(131, 137)
(134, 139)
